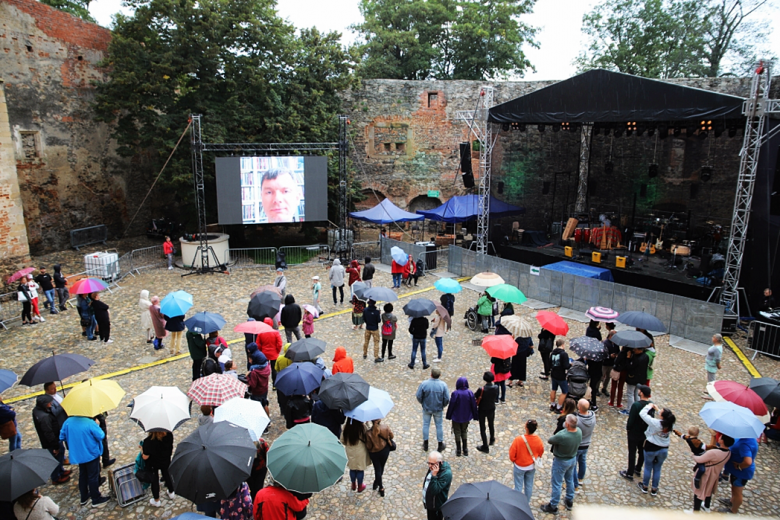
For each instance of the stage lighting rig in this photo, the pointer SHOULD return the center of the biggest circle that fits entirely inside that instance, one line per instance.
(630, 127)
(565, 127)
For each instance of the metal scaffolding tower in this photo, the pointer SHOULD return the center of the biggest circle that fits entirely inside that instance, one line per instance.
(477, 120)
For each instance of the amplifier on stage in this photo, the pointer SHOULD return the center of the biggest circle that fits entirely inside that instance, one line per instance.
(568, 251)
(620, 261)
(596, 257)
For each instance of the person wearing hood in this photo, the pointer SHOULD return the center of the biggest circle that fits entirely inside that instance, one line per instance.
(354, 272)
(308, 323)
(48, 429)
(436, 486)
(447, 301)
(196, 344)
(291, 318)
(103, 318)
(281, 281)
(61, 287)
(336, 277)
(257, 379)
(320, 363)
(461, 410)
(342, 362)
(270, 344)
(586, 421)
(158, 321)
(146, 319)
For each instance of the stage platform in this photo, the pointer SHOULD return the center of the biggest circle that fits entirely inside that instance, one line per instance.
(649, 273)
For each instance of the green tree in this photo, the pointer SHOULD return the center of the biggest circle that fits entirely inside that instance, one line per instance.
(78, 8)
(234, 61)
(730, 37)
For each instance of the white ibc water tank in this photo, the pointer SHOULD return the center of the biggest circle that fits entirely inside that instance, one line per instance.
(102, 264)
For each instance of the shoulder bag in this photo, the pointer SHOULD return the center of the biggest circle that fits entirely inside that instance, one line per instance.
(481, 393)
(390, 442)
(538, 463)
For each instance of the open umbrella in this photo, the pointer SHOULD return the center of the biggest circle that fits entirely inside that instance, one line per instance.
(344, 391)
(245, 413)
(377, 406)
(176, 303)
(205, 322)
(486, 280)
(631, 339)
(215, 389)
(517, 326)
(253, 327)
(88, 286)
(359, 289)
(7, 380)
(55, 368)
(23, 470)
(445, 315)
(307, 459)
(641, 320)
(381, 294)
(731, 419)
(604, 314)
(399, 255)
(306, 349)
(161, 408)
(502, 346)
(506, 293)
(550, 321)
(188, 516)
(489, 500)
(768, 389)
(733, 392)
(589, 348)
(93, 397)
(264, 288)
(419, 307)
(264, 305)
(212, 461)
(18, 275)
(312, 310)
(299, 379)
(448, 285)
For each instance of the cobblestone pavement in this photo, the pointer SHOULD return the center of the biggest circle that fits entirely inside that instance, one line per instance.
(678, 384)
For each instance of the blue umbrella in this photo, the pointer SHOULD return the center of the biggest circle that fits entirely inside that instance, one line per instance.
(399, 255)
(205, 322)
(448, 285)
(176, 303)
(642, 320)
(299, 379)
(381, 294)
(731, 419)
(188, 516)
(377, 406)
(7, 380)
(359, 289)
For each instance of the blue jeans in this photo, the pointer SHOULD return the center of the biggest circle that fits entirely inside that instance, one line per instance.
(524, 481)
(437, 417)
(356, 475)
(582, 455)
(91, 327)
(15, 442)
(653, 462)
(89, 480)
(397, 277)
(562, 470)
(418, 343)
(57, 473)
(439, 345)
(50, 301)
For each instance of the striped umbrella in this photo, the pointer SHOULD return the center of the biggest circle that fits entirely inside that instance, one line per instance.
(604, 314)
(88, 285)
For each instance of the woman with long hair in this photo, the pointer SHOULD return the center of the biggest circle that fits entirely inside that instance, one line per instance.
(354, 440)
(378, 440)
(157, 450)
(34, 506)
(656, 445)
(569, 407)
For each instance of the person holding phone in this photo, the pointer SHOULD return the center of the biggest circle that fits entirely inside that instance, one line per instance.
(436, 486)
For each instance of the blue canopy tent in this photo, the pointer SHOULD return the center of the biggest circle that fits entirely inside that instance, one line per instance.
(466, 207)
(384, 213)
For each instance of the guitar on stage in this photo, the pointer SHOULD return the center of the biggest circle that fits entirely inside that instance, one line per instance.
(647, 248)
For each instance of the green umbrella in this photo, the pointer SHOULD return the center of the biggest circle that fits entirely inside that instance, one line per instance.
(307, 459)
(506, 293)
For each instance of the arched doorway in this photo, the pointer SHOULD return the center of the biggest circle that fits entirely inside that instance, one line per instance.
(423, 230)
(371, 199)
(423, 202)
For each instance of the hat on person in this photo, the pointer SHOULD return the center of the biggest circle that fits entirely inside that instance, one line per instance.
(42, 267)
(278, 269)
(315, 277)
(225, 356)
(644, 389)
(29, 276)
(43, 400)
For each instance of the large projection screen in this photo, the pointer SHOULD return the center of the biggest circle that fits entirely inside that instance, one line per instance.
(271, 190)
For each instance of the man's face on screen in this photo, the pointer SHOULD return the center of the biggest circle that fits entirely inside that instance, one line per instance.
(280, 198)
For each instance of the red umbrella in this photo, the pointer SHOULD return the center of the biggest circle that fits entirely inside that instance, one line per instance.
(502, 346)
(253, 327)
(552, 322)
(18, 275)
(741, 395)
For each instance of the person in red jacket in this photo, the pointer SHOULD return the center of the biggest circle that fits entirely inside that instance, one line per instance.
(276, 503)
(342, 362)
(354, 272)
(270, 344)
(397, 271)
(409, 272)
(168, 249)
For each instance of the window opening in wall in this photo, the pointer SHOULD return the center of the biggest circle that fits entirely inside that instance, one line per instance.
(400, 147)
(387, 147)
(81, 58)
(433, 99)
(29, 48)
(30, 146)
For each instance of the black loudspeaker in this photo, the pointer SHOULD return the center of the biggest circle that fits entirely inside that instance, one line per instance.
(281, 263)
(468, 180)
(706, 173)
(465, 158)
(500, 188)
(546, 188)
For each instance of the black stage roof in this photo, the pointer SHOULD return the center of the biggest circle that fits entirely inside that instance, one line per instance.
(601, 96)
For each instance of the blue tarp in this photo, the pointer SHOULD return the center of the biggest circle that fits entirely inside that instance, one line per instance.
(466, 207)
(384, 213)
(588, 271)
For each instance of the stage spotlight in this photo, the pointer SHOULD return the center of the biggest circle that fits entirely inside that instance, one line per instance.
(540, 128)
(677, 131)
(706, 173)
(556, 128)
(565, 127)
(505, 127)
(732, 130)
(652, 171)
(630, 127)
(609, 167)
(705, 126)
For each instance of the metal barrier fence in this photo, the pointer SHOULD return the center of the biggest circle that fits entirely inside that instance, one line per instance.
(148, 258)
(410, 249)
(89, 235)
(10, 308)
(297, 255)
(434, 260)
(361, 250)
(244, 258)
(685, 317)
(764, 338)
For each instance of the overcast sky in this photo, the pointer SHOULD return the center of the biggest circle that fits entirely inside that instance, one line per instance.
(559, 22)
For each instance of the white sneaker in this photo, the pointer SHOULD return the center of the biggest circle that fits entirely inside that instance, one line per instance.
(171, 495)
(155, 503)
(437, 360)
(109, 341)
(170, 268)
(42, 318)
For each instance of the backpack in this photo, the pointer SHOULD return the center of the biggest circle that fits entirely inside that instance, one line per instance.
(388, 328)
(578, 379)
(503, 366)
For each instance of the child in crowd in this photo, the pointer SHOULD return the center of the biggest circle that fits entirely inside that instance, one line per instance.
(229, 370)
(308, 323)
(697, 448)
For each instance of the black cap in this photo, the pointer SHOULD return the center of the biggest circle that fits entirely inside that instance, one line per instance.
(644, 389)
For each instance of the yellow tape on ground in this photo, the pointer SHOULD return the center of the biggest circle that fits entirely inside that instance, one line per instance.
(743, 358)
(184, 356)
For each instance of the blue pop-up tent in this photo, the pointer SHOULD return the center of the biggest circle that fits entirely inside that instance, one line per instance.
(384, 213)
(466, 207)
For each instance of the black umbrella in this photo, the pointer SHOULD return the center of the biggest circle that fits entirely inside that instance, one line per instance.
(343, 390)
(306, 349)
(631, 339)
(24, 470)
(419, 307)
(642, 320)
(589, 348)
(359, 289)
(381, 294)
(264, 305)
(767, 389)
(55, 368)
(489, 500)
(212, 462)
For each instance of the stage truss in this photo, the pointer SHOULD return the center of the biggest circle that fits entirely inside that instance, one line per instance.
(483, 132)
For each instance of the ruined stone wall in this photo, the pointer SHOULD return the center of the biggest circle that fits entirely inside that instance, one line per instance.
(407, 136)
(68, 172)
